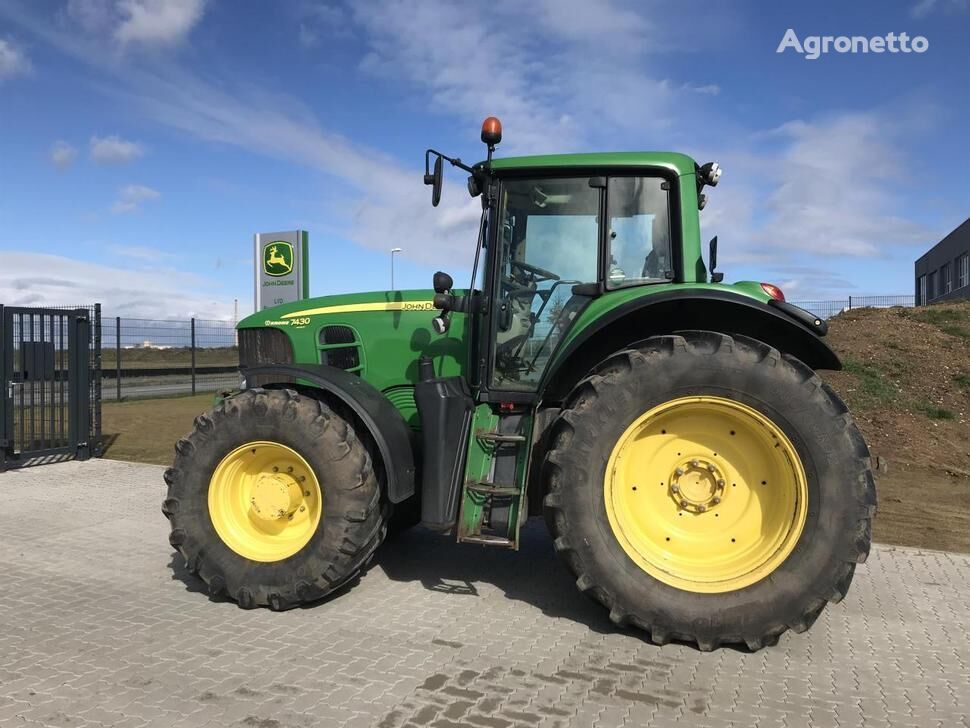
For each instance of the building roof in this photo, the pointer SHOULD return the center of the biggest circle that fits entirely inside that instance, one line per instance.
(961, 231)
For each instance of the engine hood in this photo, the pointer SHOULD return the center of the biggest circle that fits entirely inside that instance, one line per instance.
(290, 313)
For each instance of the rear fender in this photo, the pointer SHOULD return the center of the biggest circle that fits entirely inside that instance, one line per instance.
(698, 309)
(383, 421)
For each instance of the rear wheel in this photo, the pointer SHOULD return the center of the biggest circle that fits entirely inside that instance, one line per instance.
(273, 499)
(709, 489)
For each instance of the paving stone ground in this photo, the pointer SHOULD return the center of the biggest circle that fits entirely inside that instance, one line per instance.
(101, 626)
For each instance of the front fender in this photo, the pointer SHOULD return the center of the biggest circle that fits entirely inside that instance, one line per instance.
(383, 421)
(696, 309)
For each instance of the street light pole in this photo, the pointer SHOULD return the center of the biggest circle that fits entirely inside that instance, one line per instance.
(393, 251)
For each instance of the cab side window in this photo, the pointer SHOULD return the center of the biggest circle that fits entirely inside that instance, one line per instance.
(639, 231)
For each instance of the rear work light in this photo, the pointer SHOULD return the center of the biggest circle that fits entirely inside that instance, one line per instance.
(773, 291)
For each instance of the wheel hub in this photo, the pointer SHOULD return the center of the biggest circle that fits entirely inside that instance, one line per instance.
(274, 497)
(265, 501)
(697, 485)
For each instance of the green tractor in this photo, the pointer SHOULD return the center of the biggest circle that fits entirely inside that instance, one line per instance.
(697, 476)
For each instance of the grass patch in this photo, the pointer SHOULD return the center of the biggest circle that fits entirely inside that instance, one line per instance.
(872, 381)
(145, 430)
(963, 380)
(938, 316)
(956, 330)
(936, 413)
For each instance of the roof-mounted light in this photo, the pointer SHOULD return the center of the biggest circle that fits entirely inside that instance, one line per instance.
(491, 131)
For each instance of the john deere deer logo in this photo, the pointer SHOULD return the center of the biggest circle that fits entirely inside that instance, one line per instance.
(277, 258)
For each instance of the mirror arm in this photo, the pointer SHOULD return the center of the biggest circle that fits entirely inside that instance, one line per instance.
(456, 162)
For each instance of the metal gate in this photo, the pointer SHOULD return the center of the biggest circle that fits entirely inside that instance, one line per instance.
(50, 407)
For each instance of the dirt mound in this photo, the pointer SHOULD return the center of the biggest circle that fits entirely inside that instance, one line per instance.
(907, 381)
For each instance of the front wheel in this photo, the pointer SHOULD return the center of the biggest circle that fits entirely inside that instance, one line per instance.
(273, 499)
(708, 489)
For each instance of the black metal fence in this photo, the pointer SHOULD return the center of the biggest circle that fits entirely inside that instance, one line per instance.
(143, 358)
(828, 309)
(50, 408)
(157, 358)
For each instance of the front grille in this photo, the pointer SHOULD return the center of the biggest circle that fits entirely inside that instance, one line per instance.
(337, 335)
(264, 346)
(346, 357)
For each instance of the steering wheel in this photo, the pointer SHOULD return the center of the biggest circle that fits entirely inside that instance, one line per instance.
(535, 270)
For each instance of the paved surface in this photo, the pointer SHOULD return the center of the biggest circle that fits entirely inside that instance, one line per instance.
(98, 628)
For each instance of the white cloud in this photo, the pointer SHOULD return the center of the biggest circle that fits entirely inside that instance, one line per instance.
(92, 15)
(832, 188)
(131, 197)
(805, 202)
(542, 68)
(150, 23)
(317, 19)
(62, 154)
(114, 150)
(710, 89)
(140, 252)
(30, 279)
(926, 7)
(157, 22)
(13, 60)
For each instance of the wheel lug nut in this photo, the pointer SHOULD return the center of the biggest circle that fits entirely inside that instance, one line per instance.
(306, 493)
(701, 509)
(715, 501)
(711, 467)
(302, 508)
(683, 504)
(720, 483)
(276, 469)
(694, 463)
(302, 478)
(675, 488)
(289, 469)
(679, 471)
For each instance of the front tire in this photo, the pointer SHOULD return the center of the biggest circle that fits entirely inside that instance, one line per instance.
(273, 499)
(709, 489)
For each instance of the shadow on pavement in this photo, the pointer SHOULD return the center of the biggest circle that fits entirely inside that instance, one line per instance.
(533, 575)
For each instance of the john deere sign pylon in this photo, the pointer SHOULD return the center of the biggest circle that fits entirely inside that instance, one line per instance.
(281, 263)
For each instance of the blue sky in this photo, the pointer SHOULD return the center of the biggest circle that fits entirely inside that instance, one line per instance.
(143, 142)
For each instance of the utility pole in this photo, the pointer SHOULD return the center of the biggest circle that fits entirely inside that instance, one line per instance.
(393, 251)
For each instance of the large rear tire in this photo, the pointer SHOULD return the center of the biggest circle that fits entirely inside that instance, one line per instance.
(709, 489)
(273, 499)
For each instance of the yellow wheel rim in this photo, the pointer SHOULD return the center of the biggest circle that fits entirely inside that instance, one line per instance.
(265, 501)
(706, 494)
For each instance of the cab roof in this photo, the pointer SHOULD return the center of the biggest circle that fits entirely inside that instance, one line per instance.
(680, 162)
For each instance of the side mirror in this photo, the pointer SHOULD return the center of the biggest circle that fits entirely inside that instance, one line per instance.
(442, 282)
(712, 258)
(434, 180)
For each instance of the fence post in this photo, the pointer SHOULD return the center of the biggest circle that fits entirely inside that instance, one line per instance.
(193, 355)
(850, 303)
(117, 358)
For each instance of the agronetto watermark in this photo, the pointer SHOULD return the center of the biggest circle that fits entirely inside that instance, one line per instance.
(813, 46)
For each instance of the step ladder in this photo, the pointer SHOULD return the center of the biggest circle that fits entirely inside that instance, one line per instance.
(492, 501)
